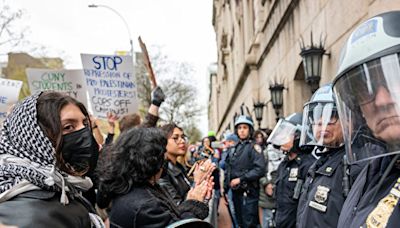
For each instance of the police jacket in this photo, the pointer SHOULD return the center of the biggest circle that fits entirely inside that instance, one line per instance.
(149, 206)
(174, 182)
(41, 208)
(363, 202)
(244, 161)
(291, 176)
(322, 195)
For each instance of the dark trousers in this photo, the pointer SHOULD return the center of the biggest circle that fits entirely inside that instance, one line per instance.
(246, 207)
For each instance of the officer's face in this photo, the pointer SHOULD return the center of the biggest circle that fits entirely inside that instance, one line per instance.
(243, 131)
(288, 145)
(331, 133)
(176, 143)
(382, 116)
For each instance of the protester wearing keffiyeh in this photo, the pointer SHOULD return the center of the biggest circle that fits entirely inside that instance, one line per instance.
(27, 157)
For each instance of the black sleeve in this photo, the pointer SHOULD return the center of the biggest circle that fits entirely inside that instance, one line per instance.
(193, 209)
(109, 139)
(149, 121)
(154, 214)
(170, 189)
(258, 169)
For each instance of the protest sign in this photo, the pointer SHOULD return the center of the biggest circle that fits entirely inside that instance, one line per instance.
(8, 96)
(70, 82)
(111, 84)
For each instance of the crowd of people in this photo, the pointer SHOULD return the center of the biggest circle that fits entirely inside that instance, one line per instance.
(336, 164)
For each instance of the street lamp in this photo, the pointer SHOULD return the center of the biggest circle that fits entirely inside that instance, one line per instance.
(122, 18)
(312, 63)
(276, 97)
(258, 111)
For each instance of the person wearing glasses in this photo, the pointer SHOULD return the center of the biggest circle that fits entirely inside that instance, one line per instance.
(367, 87)
(327, 183)
(245, 165)
(174, 180)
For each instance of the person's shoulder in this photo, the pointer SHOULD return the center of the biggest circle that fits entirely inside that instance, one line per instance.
(23, 209)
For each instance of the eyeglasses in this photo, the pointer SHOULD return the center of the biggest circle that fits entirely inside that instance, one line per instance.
(177, 137)
(321, 120)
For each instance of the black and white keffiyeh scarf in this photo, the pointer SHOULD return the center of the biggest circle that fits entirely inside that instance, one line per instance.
(27, 157)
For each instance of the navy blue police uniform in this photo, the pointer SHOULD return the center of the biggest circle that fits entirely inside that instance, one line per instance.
(291, 176)
(245, 161)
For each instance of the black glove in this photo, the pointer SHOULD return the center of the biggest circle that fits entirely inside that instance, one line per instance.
(157, 96)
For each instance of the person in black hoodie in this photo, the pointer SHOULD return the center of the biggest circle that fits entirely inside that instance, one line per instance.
(137, 199)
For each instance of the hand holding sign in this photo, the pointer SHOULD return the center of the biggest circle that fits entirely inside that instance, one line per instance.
(147, 63)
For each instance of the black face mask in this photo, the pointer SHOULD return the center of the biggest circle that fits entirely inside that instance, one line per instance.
(80, 150)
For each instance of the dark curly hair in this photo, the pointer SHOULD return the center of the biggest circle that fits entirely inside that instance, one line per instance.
(136, 156)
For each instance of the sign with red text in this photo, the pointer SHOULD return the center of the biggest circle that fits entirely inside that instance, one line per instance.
(9, 93)
(70, 82)
(111, 84)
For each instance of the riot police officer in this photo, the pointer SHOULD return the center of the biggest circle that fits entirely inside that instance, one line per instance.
(292, 170)
(327, 183)
(367, 87)
(245, 165)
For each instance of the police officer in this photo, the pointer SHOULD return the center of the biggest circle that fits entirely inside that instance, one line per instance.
(245, 165)
(292, 171)
(367, 87)
(327, 183)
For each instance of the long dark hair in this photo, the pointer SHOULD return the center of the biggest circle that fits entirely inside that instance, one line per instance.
(136, 156)
(169, 129)
(49, 106)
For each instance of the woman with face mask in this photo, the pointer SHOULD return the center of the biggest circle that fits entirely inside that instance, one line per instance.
(137, 199)
(47, 149)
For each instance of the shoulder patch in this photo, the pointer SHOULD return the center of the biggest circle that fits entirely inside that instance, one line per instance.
(257, 148)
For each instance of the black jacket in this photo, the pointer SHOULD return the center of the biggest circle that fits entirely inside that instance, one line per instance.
(175, 182)
(43, 209)
(322, 198)
(290, 174)
(361, 201)
(244, 162)
(149, 206)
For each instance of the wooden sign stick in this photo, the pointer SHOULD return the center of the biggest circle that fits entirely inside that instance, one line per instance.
(147, 63)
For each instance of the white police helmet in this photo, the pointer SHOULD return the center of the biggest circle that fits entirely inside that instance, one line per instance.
(286, 130)
(244, 120)
(319, 117)
(367, 87)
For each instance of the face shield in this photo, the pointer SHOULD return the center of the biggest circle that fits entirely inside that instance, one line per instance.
(283, 133)
(321, 125)
(368, 105)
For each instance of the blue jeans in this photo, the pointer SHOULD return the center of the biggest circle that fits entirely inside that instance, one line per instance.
(267, 216)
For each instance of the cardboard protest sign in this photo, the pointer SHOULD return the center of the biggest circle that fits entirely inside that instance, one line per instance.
(70, 82)
(8, 96)
(111, 84)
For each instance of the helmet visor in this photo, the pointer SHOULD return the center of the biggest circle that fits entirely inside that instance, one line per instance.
(368, 105)
(282, 133)
(321, 125)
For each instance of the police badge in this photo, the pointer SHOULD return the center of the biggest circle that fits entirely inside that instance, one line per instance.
(321, 196)
(293, 174)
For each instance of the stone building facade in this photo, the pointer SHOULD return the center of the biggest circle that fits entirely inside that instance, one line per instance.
(258, 44)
